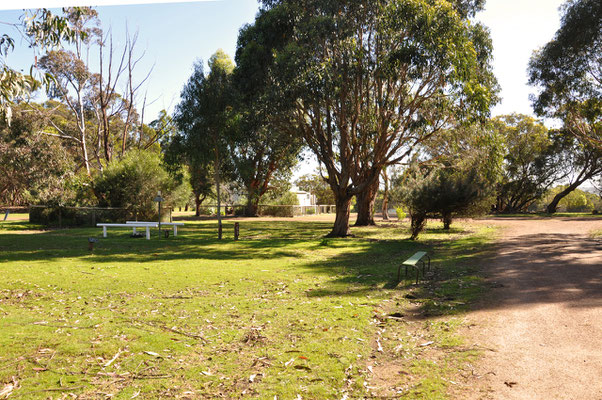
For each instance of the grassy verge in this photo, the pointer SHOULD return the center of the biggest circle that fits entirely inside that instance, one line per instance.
(546, 215)
(596, 234)
(282, 312)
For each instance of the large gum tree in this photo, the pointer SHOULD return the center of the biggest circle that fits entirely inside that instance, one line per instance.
(567, 72)
(363, 82)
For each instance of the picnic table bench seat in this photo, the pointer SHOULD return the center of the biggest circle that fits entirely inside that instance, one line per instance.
(139, 224)
(156, 224)
(413, 261)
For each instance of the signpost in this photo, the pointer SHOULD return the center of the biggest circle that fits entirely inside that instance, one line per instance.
(159, 199)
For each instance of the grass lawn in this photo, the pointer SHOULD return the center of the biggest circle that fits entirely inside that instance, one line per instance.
(282, 313)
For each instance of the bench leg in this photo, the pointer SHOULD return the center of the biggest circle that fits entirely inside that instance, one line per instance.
(134, 231)
(417, 274)
(104, 231)
(147, 233)
(175, 230)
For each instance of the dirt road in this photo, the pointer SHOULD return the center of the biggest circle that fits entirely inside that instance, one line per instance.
(543, 320)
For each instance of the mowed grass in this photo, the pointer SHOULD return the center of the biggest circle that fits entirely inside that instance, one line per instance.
(282, 313)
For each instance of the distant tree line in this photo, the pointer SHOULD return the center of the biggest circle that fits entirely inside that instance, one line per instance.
(392, 97)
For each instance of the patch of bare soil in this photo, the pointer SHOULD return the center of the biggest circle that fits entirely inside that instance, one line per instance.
(543, 319)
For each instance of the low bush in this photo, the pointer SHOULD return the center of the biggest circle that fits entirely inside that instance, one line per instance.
(400, 213)
(63, 217)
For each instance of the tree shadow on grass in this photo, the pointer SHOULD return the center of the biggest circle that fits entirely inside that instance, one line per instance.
(259, 240)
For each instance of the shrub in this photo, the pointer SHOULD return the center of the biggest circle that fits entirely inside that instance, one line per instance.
(281, 207)
(133, 182)
(75, 216)
(444, 192)
(400, 213)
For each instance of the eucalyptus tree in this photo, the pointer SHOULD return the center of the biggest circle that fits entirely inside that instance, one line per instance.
(42, 30)
(567, 72)
(583, 162)
(179, 155)
(456, 176)
(261, 151)
(363, 82)
(533, 162)
(205, 117)
(33, 166)
(317, 186)
(260, 156)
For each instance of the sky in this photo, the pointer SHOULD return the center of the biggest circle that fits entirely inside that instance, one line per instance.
(518, 27)
(174, 35)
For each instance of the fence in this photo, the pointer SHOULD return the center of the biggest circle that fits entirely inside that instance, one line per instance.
(275, 210)
(84, 216)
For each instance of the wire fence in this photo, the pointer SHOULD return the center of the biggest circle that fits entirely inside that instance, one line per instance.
(274, 210)
(60, 216)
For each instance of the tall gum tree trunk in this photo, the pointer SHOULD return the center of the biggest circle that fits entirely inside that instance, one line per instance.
(365, 205)
(217, 189)
(553, 206)
(385, 210)
(341, 222)
(197, 202)
(252, 208)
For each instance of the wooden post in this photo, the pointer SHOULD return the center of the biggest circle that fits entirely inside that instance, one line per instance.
(236, 230)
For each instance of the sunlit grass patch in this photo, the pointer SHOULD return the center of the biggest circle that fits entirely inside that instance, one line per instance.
(282, 312)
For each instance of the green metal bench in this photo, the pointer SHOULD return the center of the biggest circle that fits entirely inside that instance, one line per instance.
(413, 261)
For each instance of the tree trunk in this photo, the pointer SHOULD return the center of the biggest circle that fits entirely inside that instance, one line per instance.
(447, 220)
(252, 208)
(253, 197)
(552, 207)
(197, 203)
(386, 196)
(219, 199)
(365, 205)
(106, 135)
(417, 222)
(82, 129)
(341, 222)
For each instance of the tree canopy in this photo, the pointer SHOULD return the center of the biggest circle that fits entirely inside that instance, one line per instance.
(532, 162)
(43, 30)
(363, 82)
(567, 72)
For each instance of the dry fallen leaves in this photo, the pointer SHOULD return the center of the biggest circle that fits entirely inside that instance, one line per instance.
(8, 389)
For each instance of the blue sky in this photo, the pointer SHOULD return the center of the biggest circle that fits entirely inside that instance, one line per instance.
(174, 35)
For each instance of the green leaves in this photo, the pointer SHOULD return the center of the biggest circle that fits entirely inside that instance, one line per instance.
(568, 72)
(45, 30)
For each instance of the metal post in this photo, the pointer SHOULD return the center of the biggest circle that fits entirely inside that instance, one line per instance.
(159, 199)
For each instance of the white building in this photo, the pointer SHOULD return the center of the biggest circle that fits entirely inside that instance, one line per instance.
(305, 198)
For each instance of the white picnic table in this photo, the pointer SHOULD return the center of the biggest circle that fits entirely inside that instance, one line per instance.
(139, 224)
(156, 224)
